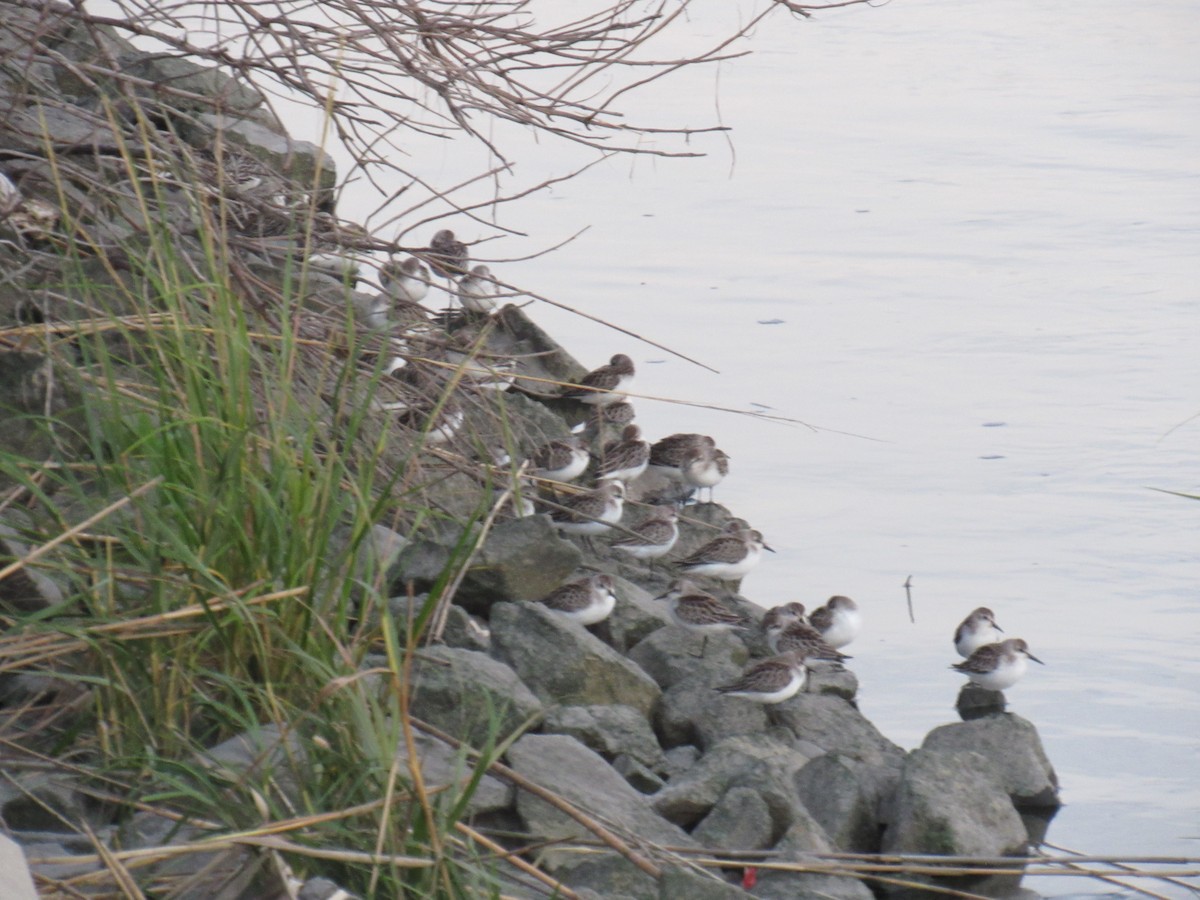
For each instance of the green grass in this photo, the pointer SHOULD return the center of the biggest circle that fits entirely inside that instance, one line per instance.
(237, 588)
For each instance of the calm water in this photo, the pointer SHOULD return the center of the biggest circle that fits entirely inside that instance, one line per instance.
(975, 229)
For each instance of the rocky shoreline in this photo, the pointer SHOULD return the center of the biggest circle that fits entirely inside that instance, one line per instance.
(619, 719)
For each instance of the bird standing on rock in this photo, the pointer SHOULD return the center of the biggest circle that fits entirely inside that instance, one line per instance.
(838, 621)
(771, 680)
(605, 385)
(624, 459)
(587, 601)
(996, 667)
(695, 610)
(977, 629)
(727, 557)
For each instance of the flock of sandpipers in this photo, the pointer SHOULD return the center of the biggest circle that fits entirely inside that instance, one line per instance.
(799, 643)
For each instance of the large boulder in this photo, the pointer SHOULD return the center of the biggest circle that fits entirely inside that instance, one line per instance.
(471, 695)
(765, 763)
(581, 776)
(635, 616)
(834, 724)
(950, 802)
(845, 796)
(740, 820)
(447, 774)
(797, 845)
(611, 731)
(563, 663)
(692, 712)
(521, 559)
(672, 654)
(1014, 751)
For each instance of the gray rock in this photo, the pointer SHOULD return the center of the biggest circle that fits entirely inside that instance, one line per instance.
(635, 617)
(741, 820)
(680, 759)
(471, 695)
(692, 712)
(563, 765)
(1015, 751)
(844, 796)
(38, 801)
(562, 662)
(39, 853)
(521, 559)
(640, 777)
(446, 772)
(678, 883)
(610, 876)
(14, 872)
(28, 589)
(264, 757)
(671, 655)
(950, 802)
(462, 630)
(766, 763)
(609, 730)
(227, 872)
(839, 683)
(802, 839)
(833, 724)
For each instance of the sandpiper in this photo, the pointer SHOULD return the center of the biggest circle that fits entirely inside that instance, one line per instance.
(770, 680)
(447, 255)
(624, 459)
(797, 636)
(560, 460)
(838, 621)
(778, 618)
(655, 536)
(704, 467)
(698, 611)
(605, 385)
(586, 601)
(995, 667)
(727, 557)
(592, 512)
(477, 291)
(407, 281)
(671, 453)
(977, 629)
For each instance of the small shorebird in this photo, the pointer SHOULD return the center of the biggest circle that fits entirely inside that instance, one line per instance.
(586, 601)
(770, 680)
(560, 460)
(995, 667)
(624, 459)
(727, 557)
(407, 281)
(477, 291)
(838, 621)
(793, 635)
(605, 385)
(977, 629)
(655, 536)
(592, 512)
(704, 467)
(697, 611)
(670, 454)
(447, 255)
